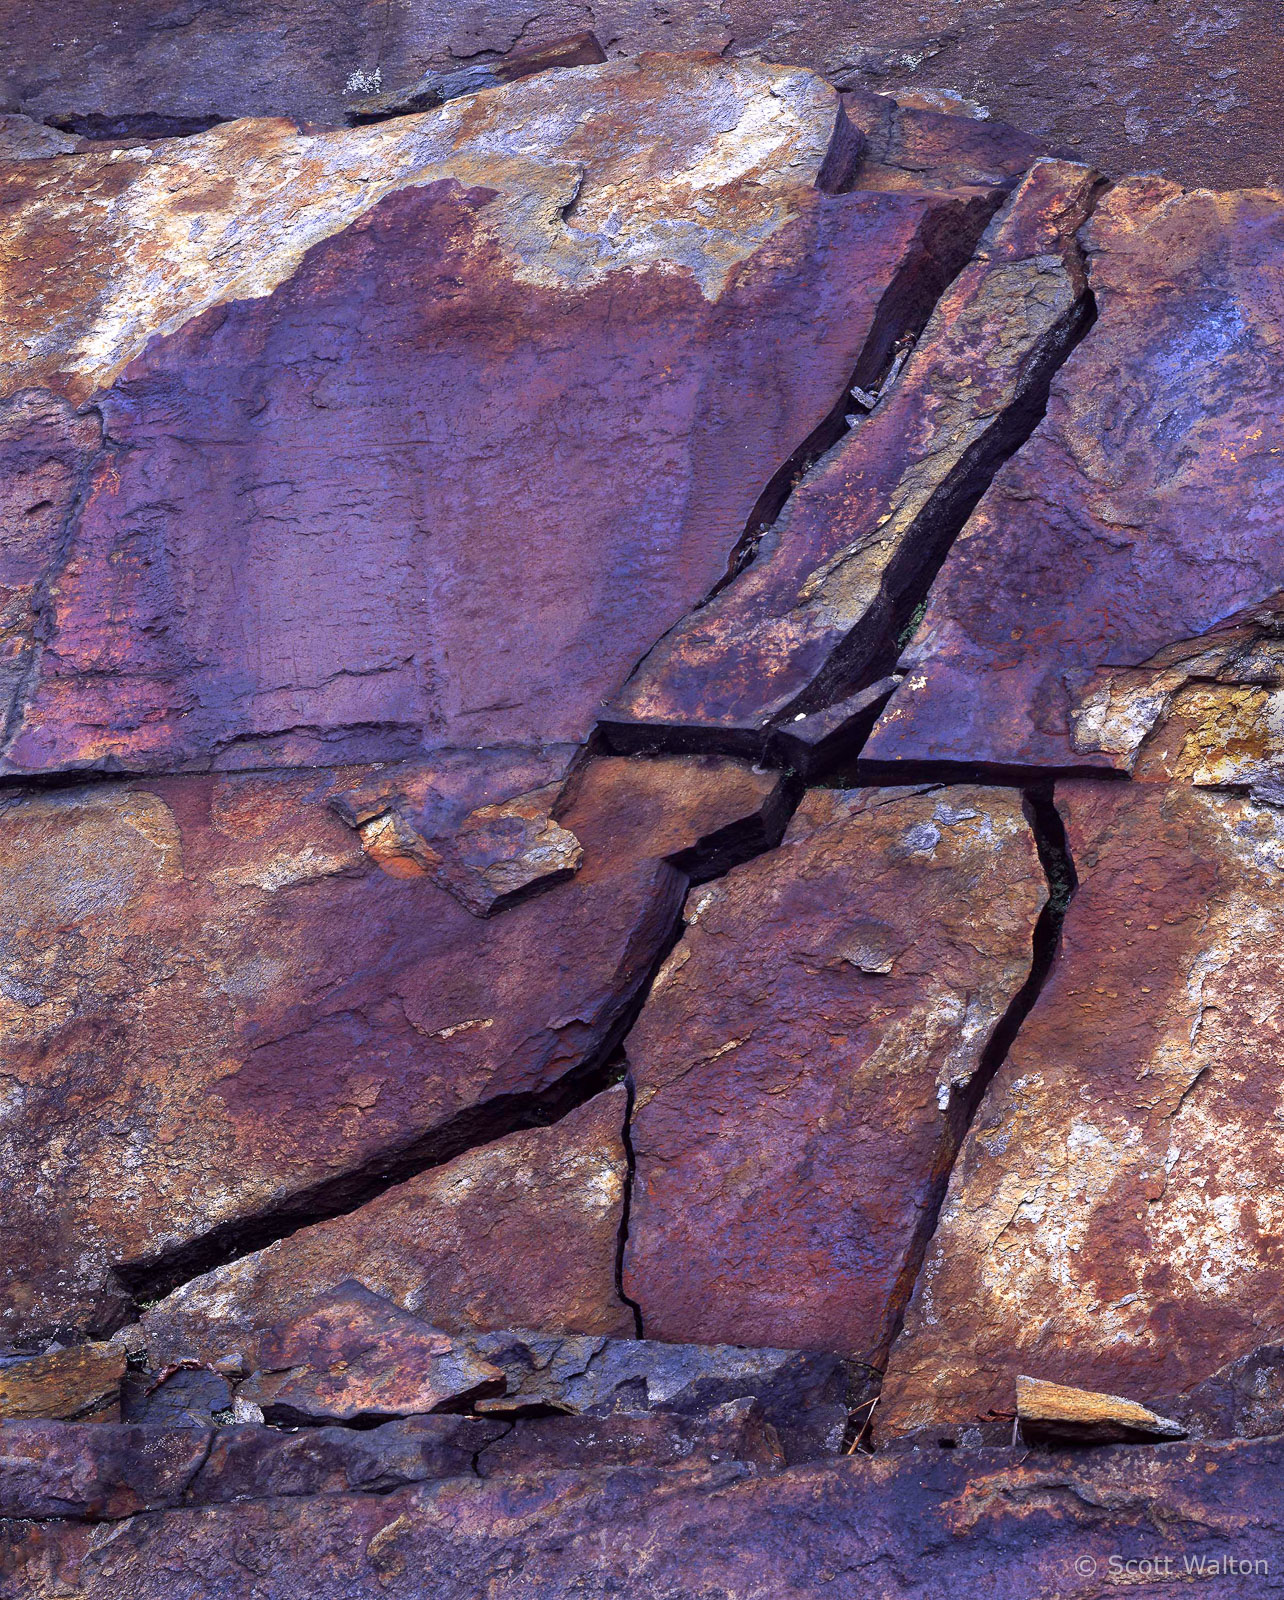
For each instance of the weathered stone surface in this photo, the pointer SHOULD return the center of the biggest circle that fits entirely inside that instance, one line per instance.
(1136, 84)
(1243, 1400)
(22, 139)
(911, 145)
(899, 1527)
(524, 1229)
(83, 1381)
(1142, 513)
(801, 1395)
(805, 1062)
(357, 1357)
(97, 1472)
(389, 406)
(1052, 1413)
(815, 614)
(217, 1004)
(1113, 1219)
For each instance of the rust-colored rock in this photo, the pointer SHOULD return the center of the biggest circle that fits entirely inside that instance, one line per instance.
(804, 1062)
(1141, 514)
(389, 406)
(522, 1231)
(358, 1358)
(1010, 1524)
(217, 1004)
(80, 1382)
(1052, 1413)
(815, 614)
(1113, 1220)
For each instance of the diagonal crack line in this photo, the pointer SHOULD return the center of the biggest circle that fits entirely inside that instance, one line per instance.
(155, 1277)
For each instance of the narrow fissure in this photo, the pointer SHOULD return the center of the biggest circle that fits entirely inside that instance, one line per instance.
(630, 1179)
(1058, 867)
(151, 1280)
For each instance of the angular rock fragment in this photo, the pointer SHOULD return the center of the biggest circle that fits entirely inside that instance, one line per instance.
(524, 1229)
(389, 406)
(1113, 1219)
(433, 88)
(888, 1527)
(806, 1060)
(1052, 1413)
(80, 1382)
(801, 1395)
(910, 145)
(216, 1002)
(1139, 517)
(357, 1357)
(190, 1397)
(817, 609)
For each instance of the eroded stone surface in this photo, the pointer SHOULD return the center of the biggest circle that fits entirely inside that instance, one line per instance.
(889, 1528)
(1193, 91)
(830, 581)
(216, 1004)
(1112, 1222)
(803, 1062)
(1057, 1414)
(523, 1230)
(1140, 515)
(389, 406)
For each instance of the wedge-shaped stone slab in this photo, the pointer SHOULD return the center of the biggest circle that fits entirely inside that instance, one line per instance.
(1052, 1413)
(821, 602)
(423, 433)
(525, 1229)
(357, 1357)
(1142, 513)
(218, 1006)
(1113, 1220)
(801, 1394)
(804, 1060)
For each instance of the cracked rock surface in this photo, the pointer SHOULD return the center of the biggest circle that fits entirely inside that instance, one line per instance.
(641, 763)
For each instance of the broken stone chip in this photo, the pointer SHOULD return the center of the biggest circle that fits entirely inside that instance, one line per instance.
(1054, 1413)
(356, 1357)
(81, 1383)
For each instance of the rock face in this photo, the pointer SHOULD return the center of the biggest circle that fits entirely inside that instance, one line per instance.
(815, 614)
(895, 1528)
(1097, 1183)
(217, 998)
(498, 1090)
(1139, 517)
(454, 1245)
(804, 1062)
(1143, 84)
(346, 408)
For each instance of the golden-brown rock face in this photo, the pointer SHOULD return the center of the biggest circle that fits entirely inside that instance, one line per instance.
(1113, 1220)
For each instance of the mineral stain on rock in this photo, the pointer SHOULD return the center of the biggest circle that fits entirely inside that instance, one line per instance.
(505, 1082)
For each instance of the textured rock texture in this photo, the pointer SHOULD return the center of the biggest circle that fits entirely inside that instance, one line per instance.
(452, 1245)
(350, 380)
(494, 1098)
(895, 1528)
(1140, 516)
(804, 1062)
(832, 580)
(218, 1004)
(1112, 1221)
(1192, 90)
